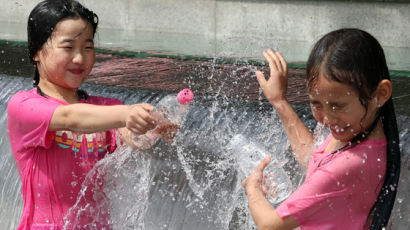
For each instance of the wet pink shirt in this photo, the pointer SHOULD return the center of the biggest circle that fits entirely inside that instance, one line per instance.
(52, 164)
(339, 193)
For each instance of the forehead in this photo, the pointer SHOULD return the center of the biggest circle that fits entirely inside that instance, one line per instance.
(325, 87)
(73, 28)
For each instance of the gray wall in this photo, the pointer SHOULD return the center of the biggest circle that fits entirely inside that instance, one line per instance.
(233, 28)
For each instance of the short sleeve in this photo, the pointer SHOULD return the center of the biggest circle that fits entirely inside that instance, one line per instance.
(29, 119)
(318, 197)
(339, 185)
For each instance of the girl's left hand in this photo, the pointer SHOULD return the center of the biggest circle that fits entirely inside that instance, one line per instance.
(254, 182)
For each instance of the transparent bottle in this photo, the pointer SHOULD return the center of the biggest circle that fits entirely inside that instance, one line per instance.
(248, 155)
(169, 113)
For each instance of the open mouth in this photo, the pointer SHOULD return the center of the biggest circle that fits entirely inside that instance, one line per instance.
(76, 71)
(338, 130)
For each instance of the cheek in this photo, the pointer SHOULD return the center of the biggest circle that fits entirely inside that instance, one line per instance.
(317, 115)
(90, 59)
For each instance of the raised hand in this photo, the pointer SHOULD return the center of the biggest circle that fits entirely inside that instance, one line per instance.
(275, 87)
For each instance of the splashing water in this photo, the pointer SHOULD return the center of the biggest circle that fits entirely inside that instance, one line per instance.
(191, 184)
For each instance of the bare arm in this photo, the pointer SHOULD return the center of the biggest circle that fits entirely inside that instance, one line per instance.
(263, 214)
(300, 138)
(88, 118)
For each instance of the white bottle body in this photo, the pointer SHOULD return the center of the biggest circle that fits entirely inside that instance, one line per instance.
(248, 155)
(169, 113)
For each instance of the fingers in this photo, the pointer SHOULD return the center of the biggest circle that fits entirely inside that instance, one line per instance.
(264, 190)
(276, 62)
(271, 60)
(147, 107)
(283, 62)
(262, 165)
(140, 120)
(244, 183)
(261, 79)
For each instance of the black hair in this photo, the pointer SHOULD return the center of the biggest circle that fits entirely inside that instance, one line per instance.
(42, 21)
(354, 57)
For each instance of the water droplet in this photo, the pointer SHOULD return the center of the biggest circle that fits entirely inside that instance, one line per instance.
(380, 176)
(38, 194)
(74, 183)
(378, 159)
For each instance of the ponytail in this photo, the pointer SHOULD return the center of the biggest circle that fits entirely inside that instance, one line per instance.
(384, 204)
(36, 80)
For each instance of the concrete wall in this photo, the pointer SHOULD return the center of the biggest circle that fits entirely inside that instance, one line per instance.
(233, 27)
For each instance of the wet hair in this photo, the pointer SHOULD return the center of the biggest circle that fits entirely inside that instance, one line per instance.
(354, 57)
(42, 21)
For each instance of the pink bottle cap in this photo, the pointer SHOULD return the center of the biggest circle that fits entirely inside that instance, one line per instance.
(185, 96)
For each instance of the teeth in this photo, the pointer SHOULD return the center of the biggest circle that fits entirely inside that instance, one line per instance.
(337, 130)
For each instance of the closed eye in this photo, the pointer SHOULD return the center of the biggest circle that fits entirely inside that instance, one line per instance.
(315, 105)
(336, 106)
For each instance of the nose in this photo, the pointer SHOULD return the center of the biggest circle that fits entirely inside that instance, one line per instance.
(326, 117)
(329, 119)
(78, 58)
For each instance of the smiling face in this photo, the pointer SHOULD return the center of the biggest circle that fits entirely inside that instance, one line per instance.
(338, 107)
(68, 56)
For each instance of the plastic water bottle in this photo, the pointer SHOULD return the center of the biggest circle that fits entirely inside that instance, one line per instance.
(248, 155)
(170, 113)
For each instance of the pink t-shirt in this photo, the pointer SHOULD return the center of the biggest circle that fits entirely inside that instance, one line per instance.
(52, 164)
(339, 193)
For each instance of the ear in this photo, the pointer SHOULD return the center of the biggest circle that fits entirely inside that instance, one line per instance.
(36, 58)
(384, 91)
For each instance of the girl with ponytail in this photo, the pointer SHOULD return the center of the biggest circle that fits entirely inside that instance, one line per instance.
(352, 178)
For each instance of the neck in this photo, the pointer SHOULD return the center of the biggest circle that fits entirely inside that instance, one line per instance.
(64, 94)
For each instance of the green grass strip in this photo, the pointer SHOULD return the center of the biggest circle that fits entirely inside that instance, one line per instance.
(13, 43)
(142, 54)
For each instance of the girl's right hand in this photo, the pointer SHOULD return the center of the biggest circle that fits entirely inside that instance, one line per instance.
(275, 87)
(139, 119)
